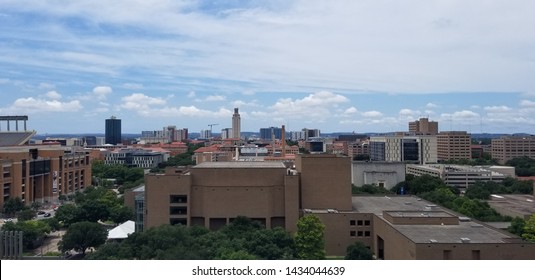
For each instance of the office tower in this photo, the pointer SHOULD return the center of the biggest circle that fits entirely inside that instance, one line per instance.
(454, 145)
(236, 124)
(423, 126)
(113, 131)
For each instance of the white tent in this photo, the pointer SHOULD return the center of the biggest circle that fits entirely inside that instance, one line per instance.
(122, 231)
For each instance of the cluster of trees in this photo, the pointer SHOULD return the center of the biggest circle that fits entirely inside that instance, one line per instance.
(435, 190)
(243, 239)
(369, 189)
(123, 176)
(523, 228)
(184, 159)
(34, 231)
(524, 166)
(483, 190)
(95, 204)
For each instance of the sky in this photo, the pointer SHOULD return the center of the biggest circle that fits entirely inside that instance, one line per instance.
(338, 66)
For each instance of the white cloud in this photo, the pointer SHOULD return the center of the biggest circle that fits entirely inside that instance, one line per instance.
(409, 112)
(497, 109)
(36, 105)
(140, 101)
(372, 114)
(351, 110)
(46, 86)
(53, 95)
(527, 103)
(461, 115)
(215, 98)
(101, 92)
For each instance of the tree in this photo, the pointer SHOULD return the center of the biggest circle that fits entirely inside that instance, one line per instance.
(517, 226)
(68, 214)
(83, 235)
(309, 239)
(26, 214)
(32, 231)
(358, 251)
(13, 205)
(120, 214)
(529, 229)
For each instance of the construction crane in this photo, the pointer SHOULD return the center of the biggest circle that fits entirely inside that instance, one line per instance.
(212, 124)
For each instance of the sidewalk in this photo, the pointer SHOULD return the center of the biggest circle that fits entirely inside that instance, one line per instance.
(50, 243)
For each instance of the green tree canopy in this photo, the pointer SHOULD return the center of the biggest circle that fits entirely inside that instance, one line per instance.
(13, 205)
(33, 231)
(309, 239)
(358, 251)
(529, 229)
(83, 235)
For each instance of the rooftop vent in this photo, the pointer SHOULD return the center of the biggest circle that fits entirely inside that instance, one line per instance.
(465, 240)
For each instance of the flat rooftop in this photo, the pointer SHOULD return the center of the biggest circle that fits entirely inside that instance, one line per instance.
(378, 204)
(467, 231)
(523, 204)
(241, 164)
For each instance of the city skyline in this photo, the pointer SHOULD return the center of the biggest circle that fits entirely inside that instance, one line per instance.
(363, 66)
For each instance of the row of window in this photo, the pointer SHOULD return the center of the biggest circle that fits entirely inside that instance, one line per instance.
(359, 222)
(359, 233)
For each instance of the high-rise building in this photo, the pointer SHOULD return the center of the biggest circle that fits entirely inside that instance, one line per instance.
(268, 133)
(509, 147)
(236, 124)
(113, 131)
(454, 145)
(423, 126)
(420, 149)
(226, 133)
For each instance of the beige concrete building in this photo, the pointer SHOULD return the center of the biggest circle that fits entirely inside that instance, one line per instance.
(212, 194)
(420, 149)
(42, 173)
(509, 147)
(454, 145)
(423, 126)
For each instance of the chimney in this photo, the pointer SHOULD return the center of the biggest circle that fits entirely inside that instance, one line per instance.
(283, 142)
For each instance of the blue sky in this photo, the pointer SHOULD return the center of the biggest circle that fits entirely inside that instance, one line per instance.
(363, 66)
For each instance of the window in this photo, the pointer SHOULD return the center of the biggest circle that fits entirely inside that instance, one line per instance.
(178, 210)
(178, 199)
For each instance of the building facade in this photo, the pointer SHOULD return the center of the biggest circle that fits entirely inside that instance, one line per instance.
(420, 149)
(509, 147)
(423, 126)
(113, 131)
(454, 145)
(42, 173)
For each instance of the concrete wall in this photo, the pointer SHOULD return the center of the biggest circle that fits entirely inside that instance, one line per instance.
(388, 173)
(325, 181)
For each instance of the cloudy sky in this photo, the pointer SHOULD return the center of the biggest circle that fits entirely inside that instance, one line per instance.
(355, 65)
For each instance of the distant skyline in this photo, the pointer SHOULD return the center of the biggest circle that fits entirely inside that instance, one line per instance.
(362, 66)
